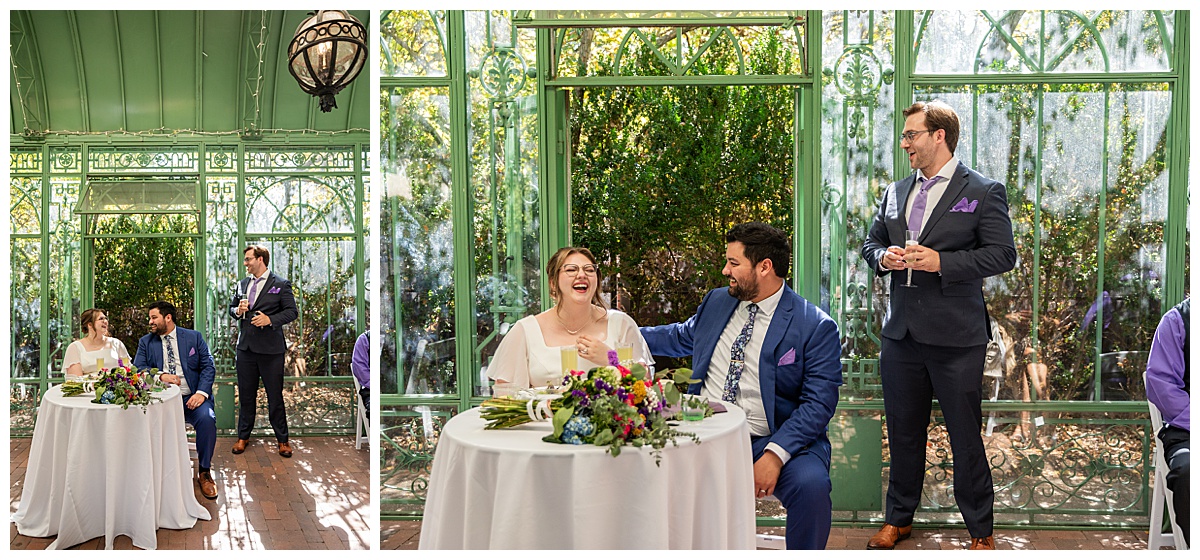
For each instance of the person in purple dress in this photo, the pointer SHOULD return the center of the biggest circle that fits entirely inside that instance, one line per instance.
(360, 366)
(1168, 389)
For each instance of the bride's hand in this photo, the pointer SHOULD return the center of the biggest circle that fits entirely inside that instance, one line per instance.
(592, 349)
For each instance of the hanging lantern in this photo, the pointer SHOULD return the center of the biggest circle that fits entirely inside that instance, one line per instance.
(328, 52)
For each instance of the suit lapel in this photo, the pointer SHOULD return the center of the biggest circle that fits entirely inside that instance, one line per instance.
(711, 333)
(262, 290)
(953, 190)
(899, 223)
(766, 367)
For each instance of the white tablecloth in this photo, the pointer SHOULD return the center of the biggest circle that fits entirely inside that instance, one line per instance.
(97, 470)
(508, 489)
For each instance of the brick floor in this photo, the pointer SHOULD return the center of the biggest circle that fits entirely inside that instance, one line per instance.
(317, 499)
(404, 535)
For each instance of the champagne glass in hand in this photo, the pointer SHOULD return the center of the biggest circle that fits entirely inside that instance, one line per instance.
(910, 239)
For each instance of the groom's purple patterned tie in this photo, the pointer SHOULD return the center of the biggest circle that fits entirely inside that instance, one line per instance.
(737, 357)
(918, 209)
(253, 291)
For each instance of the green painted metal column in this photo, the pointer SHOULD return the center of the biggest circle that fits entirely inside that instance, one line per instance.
(1175, 236)
(463, 207)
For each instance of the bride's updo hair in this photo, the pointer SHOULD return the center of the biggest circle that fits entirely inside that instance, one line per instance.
(88, 318)
(554, 267)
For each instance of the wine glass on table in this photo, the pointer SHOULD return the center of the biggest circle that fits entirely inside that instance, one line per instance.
(910, 239)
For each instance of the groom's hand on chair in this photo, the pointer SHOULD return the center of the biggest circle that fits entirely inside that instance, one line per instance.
(766, 474)
(196, 400)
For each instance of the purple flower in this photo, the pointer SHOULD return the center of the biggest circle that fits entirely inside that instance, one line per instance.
(613, 360)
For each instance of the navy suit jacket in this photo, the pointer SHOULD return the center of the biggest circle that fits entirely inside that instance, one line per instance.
(799, 397)
(274, 298)
(945, 310)
(194, 356)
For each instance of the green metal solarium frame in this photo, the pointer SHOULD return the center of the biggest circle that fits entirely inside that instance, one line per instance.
(842, 104)
(204, 97)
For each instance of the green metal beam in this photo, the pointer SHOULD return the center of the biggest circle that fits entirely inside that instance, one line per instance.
(669, 81)
(1178, 161)
(463, 207)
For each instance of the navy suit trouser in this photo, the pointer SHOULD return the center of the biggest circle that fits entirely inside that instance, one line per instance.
(204, 420)
(804, 490)
(913, 373)
(252, 366)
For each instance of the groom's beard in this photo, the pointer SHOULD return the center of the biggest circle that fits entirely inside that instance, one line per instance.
(744, 291)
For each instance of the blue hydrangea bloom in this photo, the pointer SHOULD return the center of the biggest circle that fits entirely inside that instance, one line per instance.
(577, 428)
(107, 397)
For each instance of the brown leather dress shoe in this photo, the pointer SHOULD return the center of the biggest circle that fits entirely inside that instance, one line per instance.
(285, 449)
(208, 488)
(986, 543)
(240, 446)
(888, 536)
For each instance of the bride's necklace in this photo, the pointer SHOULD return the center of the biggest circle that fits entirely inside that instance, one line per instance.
(591, 320)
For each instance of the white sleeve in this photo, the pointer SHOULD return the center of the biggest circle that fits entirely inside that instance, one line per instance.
(73, 356)
(629, 335)
(122, 352)
(509, 368)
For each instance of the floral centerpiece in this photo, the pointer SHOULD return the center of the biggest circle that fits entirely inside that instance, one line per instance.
(122, 385)
(610, 406)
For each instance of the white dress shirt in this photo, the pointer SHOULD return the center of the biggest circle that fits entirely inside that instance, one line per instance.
(932, 197)
(176, 367)
(262, 281)
(749, 396)
(935, 192)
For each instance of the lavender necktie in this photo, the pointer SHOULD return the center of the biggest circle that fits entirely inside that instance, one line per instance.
(737, 361)
(918, 208)
(253, 291)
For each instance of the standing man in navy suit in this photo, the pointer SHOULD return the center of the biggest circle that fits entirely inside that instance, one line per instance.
(769, 351)
(934, 334)
(183, 359)
(262, 305)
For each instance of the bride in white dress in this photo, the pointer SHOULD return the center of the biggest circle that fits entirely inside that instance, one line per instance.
(530, 355)
(83, 356)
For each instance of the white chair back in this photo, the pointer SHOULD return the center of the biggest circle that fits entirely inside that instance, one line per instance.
(1161, 495)
(361, 418)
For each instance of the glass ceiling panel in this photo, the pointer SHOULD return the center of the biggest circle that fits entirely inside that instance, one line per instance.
(615, 18)
(147, 195)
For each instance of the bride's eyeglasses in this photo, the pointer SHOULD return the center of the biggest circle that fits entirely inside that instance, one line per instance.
(589, 269)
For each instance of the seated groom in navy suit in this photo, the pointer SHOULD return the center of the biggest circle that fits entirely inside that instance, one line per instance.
(759, 345)
(189, 364)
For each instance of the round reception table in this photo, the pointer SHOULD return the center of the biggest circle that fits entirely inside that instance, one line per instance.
(508, 489)
(98, 470)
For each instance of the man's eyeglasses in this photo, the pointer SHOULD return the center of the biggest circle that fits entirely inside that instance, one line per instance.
(912, 135)
(589, 269)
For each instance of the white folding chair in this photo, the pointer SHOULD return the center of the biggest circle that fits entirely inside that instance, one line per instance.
(767, 540)
(191, 446)
(361, 417)
(1161, 495)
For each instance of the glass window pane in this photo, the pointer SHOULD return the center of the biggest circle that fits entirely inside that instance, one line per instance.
(694, 51)
(1134, 253)
(1020, 41)
(407, 438)
(414, 43)
(417, 251)
(659, 175)
(504, 128)
(316, 204)
(857, 133)
(25, 295)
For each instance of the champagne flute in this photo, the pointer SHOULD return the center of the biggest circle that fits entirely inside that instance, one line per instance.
(570, 359)
(910, 239)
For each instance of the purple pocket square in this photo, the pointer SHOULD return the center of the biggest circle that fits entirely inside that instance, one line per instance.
(789, 358)
(192, 353)
(964, 206)
(276, 290)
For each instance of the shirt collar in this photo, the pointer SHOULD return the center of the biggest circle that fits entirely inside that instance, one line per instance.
(265, 274)
(767, 306)
(945, 172)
